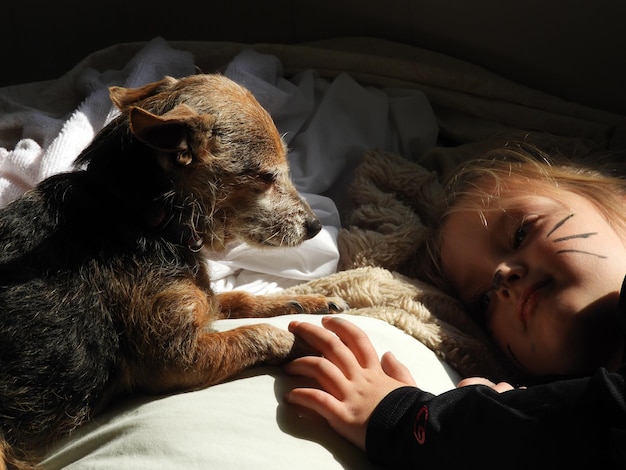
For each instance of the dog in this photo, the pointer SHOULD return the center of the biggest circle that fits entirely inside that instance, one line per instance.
(104, 289)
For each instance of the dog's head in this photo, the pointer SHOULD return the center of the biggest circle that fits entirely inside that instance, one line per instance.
(223, 157)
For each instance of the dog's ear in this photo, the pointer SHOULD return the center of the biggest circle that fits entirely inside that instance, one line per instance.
(173, 131)
(124, 97)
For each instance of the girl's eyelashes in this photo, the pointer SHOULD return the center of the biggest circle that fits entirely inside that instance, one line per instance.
(519, 235)
(521, 231)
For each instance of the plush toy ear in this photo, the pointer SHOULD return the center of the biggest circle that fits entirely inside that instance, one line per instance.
(124, 97)
(172, 131)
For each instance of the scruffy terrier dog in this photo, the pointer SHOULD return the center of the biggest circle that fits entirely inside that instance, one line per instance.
(103, 289)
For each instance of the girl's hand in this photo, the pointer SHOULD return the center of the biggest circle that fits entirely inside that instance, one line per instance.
(498, 387)
(352, 378)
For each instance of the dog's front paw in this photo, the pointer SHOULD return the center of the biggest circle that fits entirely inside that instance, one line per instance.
(318, 304)
(239, 304)
(283, 346)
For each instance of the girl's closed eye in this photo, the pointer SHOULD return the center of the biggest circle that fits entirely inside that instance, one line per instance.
(522, 229)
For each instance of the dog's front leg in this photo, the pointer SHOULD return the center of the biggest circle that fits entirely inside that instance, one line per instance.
(216, 356)
(174, 349)
(240, 304)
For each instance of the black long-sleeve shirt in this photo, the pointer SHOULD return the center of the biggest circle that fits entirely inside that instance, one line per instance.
(579, 422)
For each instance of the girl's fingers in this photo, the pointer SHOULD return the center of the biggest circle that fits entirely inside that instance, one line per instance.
(395, 369)
(314, 399)
(317, 337)
(327, 343)
(498, 387)
(324, 372)
(355, 339)
(475, 381)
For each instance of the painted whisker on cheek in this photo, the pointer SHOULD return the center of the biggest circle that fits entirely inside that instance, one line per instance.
(558, 224)
(582, 252)
(572, 237)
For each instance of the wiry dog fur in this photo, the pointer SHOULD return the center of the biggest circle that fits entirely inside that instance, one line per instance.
(103, 289)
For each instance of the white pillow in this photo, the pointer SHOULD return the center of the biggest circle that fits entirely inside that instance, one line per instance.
(241, 424)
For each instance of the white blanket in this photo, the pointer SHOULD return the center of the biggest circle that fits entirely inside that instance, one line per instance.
(241, 424)
(328, 126)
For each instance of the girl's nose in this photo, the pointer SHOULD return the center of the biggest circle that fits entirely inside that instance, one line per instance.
(506, 279)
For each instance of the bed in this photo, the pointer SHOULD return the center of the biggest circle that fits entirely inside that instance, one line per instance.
(370, 124)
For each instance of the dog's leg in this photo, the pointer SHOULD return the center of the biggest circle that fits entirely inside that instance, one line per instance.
(240, 304)
(174, 348)
(217, 356)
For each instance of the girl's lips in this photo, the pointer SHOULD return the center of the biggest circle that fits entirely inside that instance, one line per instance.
(527, 303)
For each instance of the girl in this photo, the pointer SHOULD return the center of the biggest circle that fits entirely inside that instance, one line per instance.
(537, 252)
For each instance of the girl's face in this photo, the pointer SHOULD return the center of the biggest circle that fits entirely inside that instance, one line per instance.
(544, 275)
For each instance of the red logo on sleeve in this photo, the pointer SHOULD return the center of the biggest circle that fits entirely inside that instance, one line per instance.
(419, 426)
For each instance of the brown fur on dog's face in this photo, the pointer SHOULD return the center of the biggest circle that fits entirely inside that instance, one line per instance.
(215, 138)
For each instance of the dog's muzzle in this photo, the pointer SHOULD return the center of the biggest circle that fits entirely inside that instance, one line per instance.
(313, 227)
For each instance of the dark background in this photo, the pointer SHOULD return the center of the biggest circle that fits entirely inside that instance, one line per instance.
(573, 49)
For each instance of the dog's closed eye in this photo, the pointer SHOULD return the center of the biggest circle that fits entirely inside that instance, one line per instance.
(266, 177)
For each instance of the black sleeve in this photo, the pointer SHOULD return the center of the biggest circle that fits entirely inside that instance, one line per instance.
(578, 422)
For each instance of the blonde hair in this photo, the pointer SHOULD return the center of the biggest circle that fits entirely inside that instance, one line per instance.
(481, 184)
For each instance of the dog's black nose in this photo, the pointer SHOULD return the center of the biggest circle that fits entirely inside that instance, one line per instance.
(313, 227)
